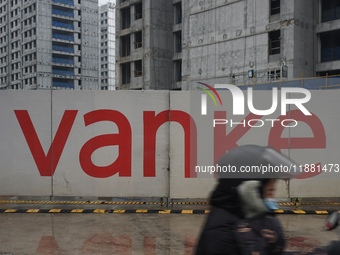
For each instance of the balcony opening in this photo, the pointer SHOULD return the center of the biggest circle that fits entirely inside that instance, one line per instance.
(63, 71)
(138, 68)
(56, 22)
(125, 42)
(64, 47)
(275, 7)
(178, 13)
(67, 2)
(178, 41)
(178, 70)
(330, 46)
(330, 73)
(62, 35)
(62, 59)
(138, 11)
(62, 11)
(330, 10)
(126, 73)
(63, 83)
(274, 42)
(138, 39)
(126, 18)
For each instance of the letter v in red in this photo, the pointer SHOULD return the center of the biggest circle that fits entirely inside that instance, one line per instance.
(46, 164)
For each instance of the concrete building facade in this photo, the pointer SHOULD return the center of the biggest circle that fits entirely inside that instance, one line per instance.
(144, 46)
(107, 46)
(248, 42)
(242, 42)
(49, 44)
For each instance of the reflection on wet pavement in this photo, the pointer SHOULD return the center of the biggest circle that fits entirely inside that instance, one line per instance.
(130, 233)
(98, 234)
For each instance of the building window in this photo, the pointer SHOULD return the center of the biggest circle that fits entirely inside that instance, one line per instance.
(330, 46)
(274, 7)
(126, 18)
(178, 70)
(274, 42)
(330, 73)
(138, 39)
(178, 41)
(274, 75)
(125, 45)
(138, 68)
(330, 10)
(138, 11)
(126, 73)
(178, 13)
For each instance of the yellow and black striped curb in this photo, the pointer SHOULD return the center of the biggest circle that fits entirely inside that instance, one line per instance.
(307, 203)
(117, 211)
(305, 212)
(97, 202)
(58, 202)
(147, 211)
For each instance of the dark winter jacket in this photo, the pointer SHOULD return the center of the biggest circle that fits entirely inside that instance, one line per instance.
(238, 224)
(239, 229)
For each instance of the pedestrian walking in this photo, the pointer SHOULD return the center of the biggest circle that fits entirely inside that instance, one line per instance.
(241, 220)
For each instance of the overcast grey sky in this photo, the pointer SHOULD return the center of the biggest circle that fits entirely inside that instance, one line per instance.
(101, 2)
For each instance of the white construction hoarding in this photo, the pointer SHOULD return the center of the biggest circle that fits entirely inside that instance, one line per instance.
(151, 143)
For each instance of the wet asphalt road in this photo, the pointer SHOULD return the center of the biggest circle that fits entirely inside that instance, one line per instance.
(150, 234)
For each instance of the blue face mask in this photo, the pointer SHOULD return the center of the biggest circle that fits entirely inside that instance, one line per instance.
(270, 203)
